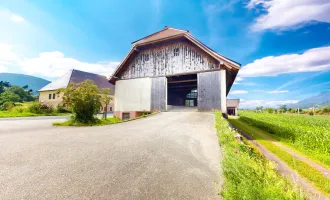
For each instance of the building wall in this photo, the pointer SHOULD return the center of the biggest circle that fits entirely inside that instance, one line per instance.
(44, 98)
(133, 95)
(168, 59)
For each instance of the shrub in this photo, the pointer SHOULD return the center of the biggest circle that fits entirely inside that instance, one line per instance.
(84, 101)
(62, 109)
(7, 105)
(39, 108)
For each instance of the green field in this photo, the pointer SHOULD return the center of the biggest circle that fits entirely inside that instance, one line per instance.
(307, 134)
(248, 175)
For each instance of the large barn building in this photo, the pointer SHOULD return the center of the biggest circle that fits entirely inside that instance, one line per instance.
(171, 68)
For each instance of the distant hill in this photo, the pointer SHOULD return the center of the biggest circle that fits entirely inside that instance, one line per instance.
(323, 99)
(34, 83)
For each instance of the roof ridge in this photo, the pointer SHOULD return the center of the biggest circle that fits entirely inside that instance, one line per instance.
(165, 28)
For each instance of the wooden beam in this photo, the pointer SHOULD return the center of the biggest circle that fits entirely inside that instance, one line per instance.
(182, 86)
(183, 81)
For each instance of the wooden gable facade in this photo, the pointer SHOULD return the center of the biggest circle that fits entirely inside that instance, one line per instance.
(173, 52)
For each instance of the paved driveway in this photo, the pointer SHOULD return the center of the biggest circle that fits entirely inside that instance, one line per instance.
(166, 156)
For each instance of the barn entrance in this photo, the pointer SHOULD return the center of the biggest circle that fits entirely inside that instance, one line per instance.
(182, 91)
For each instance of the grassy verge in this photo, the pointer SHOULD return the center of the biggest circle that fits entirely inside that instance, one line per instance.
(248, 175)
(313, 175)
(7, 114)
(98, 122)
(309, 135)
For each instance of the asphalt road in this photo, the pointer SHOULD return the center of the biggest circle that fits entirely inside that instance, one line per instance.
(166, 156)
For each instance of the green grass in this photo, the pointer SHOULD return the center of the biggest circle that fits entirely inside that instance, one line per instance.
(309, 135)
(311, 174)
(99, 122)
(22, 111)
(248, 175)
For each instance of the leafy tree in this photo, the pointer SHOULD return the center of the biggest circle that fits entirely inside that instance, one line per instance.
(269, 110)
(3, 85)
(83, 99)
(8, 96)
(23, 94)
(105, 99)
(259, 108)
(282, 109)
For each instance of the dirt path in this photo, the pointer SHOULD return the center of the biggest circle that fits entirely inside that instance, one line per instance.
(325, 171)
(283, 168)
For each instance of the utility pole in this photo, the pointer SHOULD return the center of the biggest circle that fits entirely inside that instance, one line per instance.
(298, 110)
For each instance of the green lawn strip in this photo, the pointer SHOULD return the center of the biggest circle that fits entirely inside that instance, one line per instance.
(305, 170)
(248, 175)
(98, 122)
(9, 114)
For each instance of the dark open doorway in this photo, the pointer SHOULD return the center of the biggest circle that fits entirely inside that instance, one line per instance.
(182, 90)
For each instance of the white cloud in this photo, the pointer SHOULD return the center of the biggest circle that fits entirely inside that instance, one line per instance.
(283, 14)
(317, 59)
(7, 56)
(16, 18)
(278, 91)
(251, 104)
(8, 15)
(239, 92)
(3, 69)
(50, 64)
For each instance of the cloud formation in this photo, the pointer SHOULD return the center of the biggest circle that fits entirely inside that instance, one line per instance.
(8, 15)
(50, 64)
(251, 104)
(238, 92)
(317, 59)
(285, 14)
(278, 91)
(16, 18)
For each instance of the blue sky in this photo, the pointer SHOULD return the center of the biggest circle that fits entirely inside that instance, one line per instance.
(283, 46)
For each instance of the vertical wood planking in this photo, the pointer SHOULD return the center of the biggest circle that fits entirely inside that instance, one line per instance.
(158, 94)
(162, 61)
(209, 91)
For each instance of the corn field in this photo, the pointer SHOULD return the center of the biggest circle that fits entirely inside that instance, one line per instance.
(308, 134)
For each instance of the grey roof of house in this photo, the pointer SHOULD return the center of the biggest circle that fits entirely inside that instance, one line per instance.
(233, 102)
(76, 76)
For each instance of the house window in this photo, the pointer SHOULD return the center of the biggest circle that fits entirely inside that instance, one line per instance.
(110, 109)
(176, 52)
(50, 96)
(192, 94)
(145, 57)
(54, 96)
(126, 116)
